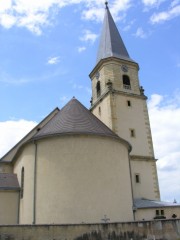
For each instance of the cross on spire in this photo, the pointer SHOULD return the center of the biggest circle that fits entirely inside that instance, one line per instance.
(105, 219)
(106, 3)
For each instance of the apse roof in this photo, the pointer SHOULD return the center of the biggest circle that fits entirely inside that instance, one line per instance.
(74, 118)
(111, 43)
(8, 181)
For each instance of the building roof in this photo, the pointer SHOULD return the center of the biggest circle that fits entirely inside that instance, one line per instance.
(111, 43)
(74, 118)
(8, 157)
(141, 203)
(9, 181)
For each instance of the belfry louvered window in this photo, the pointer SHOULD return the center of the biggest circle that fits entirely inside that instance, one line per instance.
(126, 82)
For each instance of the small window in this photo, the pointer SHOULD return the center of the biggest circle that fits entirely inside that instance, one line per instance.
(162, 212)
(132, 132)
(157, 213)
(126, 82)
(99, 110)
(129, 103)
(98, 88)
(22, 182)
(137, 178)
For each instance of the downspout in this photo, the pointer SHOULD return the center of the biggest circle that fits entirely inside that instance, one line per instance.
(132, 193)
(35, 180)
(18, 212)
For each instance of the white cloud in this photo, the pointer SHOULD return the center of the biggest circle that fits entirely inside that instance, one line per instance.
(12, 132)
(140, 33)
(165, 15)
(81, 49)
(174, 3)
(88, 36)
(129, 25)
(34, 15)
(53, 60)
(94, 11)
(152, 3)
(149, 2)
(5, 5)
(7, 20)
(164, 115)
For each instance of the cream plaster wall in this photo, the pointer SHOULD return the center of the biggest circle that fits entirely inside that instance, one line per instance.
(117, 115)
(148, 185)
(149, 214)
(136, 118)
(103, 111)
(81, 179)
(9, 207)
(26, 159)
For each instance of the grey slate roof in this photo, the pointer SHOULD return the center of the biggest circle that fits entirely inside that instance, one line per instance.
(111, 43)
(9, 181)
(8, 157)
(74, 118)
(146, 203)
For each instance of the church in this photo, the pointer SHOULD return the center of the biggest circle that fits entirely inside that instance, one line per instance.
(89, 166)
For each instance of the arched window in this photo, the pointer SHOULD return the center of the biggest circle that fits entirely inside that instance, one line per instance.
(126, 82)
(98, 88)
(22, 182)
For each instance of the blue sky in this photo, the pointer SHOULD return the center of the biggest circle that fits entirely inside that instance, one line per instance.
(48, 48)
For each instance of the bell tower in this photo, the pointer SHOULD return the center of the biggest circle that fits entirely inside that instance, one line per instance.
(118, 100)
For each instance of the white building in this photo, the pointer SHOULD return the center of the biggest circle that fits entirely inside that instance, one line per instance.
(79, 165)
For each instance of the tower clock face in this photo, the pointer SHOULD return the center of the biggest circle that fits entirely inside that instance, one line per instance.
(97, 75)
(124, 68)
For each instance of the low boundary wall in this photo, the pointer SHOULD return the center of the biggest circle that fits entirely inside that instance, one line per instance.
(146, 230)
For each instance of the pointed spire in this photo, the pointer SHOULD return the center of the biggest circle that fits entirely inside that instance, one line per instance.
(111, 43)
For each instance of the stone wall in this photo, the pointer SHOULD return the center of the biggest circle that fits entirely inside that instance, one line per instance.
(147, 230)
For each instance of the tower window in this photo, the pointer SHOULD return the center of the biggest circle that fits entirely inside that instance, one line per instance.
(137, 178)
(129, 103)
(132, 132)
(126, 82)
(99, 110)
(22, 182)
(98, 88)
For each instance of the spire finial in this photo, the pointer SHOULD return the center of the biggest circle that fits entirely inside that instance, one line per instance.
(106, 3)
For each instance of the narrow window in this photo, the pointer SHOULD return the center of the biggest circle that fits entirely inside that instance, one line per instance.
(162, 212)
(157, 212)
(137, 178)
(129, 103)
(126, 82)
(132, 132)
(22, 182)
(98, 88)
(99, 110)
